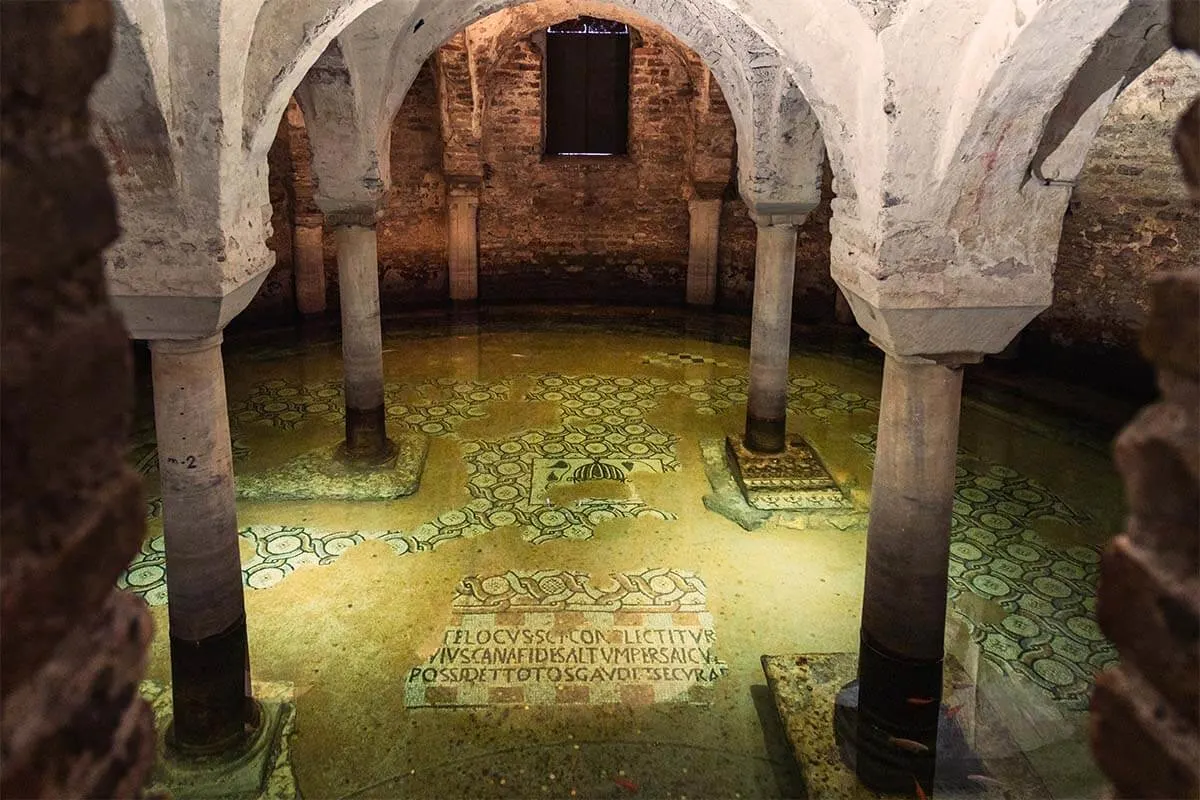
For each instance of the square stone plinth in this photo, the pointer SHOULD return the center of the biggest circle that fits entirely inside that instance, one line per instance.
(794, 480)
(322, 475)
(804, 687)
(260, 771)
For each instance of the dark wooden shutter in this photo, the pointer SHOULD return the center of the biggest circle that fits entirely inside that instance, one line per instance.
(566, 100)
(587, 92)
(607, 93)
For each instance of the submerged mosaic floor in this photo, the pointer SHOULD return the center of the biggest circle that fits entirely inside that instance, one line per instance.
(560, 637)
(1048, 633)
(614, 440)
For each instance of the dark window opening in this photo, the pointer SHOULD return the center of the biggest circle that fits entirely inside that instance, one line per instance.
(587, 88)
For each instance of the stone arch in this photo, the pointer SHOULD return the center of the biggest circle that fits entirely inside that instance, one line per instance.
(1044, 101)
(129, 105)
(753, 74)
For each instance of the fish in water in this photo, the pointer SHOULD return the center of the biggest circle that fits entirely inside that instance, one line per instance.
(919, 701)
(984, 780)
(920, 791)
(952, 711)
(907, 744)
(626, 784)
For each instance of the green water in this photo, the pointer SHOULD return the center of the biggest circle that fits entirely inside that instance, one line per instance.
(344, 598)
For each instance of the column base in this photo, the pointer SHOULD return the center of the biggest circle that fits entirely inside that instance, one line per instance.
(209, 692)
(765, 436)
(793, 479)
(366, 441)
(327, 474)
(803, 686)
(262, 758)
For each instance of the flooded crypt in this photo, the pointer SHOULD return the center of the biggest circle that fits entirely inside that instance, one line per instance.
(571, 399)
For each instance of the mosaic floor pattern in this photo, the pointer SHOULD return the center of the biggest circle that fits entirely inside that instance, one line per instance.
(1048, 633)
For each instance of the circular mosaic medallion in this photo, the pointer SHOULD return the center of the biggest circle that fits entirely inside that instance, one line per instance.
(145, 576)
(1020, 625)
(1051, 587)
(266, 577)
(1022, 552)
(280, 545)
(1085, 628)
(965, 550)
(990, 585)
(995, 521)
(1054, 671)
(502, 518)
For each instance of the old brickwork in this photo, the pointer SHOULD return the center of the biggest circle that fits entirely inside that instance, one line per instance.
(412, 229)
(71, 512)
(567, 228)
(1129, 219)
(276, 300)
(550, 229)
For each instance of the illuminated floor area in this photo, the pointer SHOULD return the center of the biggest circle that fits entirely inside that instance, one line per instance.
(563, 492)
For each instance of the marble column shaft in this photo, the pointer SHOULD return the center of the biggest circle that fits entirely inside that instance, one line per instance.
(362, 341)
(908, 546)
(206, 611)
(770, 338)
(704, 237)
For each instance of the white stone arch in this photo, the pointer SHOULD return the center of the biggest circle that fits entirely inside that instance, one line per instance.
(758, 82)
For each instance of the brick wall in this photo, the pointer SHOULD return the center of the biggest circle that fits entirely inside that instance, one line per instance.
(608, 229)
(1129, 220)
(71, 514)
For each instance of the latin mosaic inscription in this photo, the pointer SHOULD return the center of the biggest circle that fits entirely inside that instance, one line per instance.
(558, 637)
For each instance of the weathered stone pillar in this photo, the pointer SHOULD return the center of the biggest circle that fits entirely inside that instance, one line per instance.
(463, 247)
(362, 343)
(308, 237)
(908, 552)
(705, 229)
(770, 337)
(210, 666)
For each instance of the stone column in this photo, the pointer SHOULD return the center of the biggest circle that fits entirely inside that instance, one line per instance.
(463, 246)
(908, 552)
(702, 251)
(210, 668)
(362, 344)
(770, 337)
(308, 238)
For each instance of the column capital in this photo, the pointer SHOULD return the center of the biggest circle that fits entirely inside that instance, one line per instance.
(357, 217)
(185, 346)
(463, 185)
(949, 360)
(779, 214)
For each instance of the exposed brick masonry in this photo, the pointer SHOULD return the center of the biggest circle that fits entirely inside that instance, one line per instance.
(71, 512)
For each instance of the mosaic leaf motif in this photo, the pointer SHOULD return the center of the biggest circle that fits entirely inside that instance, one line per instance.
(649, 591)
(1050, 635)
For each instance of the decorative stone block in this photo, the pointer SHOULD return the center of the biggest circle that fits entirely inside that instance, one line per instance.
(795, 479)
(321, 475)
